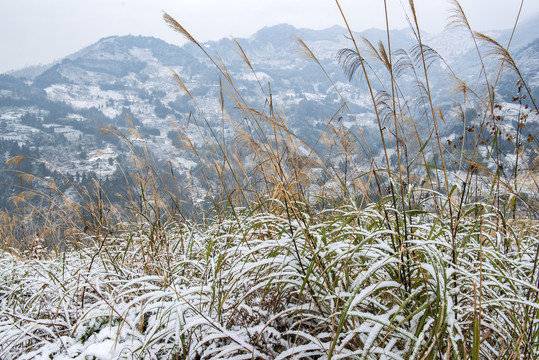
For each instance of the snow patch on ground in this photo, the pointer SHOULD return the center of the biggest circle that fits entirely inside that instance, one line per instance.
(262, 76)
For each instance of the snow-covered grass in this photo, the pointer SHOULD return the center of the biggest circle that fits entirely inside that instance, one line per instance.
(263, 286)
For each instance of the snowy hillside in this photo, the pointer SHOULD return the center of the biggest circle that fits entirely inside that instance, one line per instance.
(59, 113)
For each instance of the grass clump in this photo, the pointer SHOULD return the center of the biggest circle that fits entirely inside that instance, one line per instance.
(258, 285)
(408, 246)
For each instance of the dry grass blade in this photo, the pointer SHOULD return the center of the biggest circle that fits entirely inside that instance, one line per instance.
(379, 54)
(457, 17)
(223, 69)
(28, 178)
(305, 51)
(385, 57)
(402, 64)
(15, 161)
(499, 52)
(349, 60)
(181, 83)
(414, 15)
(243, 55)
(178, 28)
(506, 60)
(426, 53)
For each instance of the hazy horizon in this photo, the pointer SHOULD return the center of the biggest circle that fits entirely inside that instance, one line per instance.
(34, 33)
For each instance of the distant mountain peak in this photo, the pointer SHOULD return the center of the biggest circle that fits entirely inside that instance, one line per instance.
(279, 32)
(120, 44)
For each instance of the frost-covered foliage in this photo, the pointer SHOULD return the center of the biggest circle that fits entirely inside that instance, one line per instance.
(344, 284)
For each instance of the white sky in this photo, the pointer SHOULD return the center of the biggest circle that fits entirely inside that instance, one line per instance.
(41, 31)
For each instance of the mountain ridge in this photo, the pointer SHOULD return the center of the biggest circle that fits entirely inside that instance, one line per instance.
(525, 33)
(62, 110)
